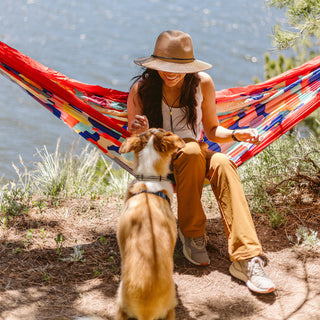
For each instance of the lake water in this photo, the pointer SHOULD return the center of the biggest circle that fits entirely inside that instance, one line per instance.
(96, 41)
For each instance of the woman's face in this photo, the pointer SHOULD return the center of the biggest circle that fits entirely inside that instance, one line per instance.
(172, 79)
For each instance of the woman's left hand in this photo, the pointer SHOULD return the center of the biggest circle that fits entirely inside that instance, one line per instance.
(139, 124)
(248, 135)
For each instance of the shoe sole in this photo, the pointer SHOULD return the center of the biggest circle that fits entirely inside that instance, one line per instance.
(185, 252)
(240, 276)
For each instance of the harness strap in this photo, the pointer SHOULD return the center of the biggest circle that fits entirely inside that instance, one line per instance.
(141, 177)
(158, 193)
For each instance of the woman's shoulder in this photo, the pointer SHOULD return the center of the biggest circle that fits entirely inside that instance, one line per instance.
(135, 86)
(206, 81)
(204, 77)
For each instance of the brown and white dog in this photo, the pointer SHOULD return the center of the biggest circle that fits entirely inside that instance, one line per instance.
(147, 230)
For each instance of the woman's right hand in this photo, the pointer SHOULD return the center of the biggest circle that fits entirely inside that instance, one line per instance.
(139, 124)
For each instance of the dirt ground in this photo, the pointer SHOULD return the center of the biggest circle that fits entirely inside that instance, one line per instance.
(40, 277)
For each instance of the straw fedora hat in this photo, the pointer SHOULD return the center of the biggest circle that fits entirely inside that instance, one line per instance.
(173, 52)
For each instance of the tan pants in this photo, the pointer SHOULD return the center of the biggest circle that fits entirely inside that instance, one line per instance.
(191, 166)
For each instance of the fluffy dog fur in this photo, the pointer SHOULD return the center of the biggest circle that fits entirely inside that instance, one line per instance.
(147, 231)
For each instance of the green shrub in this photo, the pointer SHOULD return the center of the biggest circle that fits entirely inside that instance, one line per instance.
(307, 237)
(281, 174)
(14, 199)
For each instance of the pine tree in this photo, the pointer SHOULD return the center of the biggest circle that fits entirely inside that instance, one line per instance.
(303, 23)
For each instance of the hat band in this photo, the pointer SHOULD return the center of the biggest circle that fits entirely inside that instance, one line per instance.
(176, 59)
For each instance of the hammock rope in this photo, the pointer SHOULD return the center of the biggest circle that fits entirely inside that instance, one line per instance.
(99, 114)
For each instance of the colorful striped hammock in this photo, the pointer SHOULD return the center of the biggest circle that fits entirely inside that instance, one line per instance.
(99, 114)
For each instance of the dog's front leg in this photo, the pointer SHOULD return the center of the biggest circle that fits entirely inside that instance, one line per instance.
(171, 315)
(121, 314)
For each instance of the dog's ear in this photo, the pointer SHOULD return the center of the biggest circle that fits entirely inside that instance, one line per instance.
(171, 142)
(130, 144)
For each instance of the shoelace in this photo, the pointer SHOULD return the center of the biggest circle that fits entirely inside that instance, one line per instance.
(201, 242)
(255, 267)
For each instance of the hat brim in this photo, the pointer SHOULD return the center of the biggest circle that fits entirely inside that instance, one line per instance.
(175, 67)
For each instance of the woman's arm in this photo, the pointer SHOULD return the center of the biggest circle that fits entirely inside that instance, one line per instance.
(137, 123)
(212, 129)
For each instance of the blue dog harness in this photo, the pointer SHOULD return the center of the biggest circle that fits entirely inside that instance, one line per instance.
(158, 193)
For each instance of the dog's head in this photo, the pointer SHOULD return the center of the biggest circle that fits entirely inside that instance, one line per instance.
(154, 146)
(163, 142)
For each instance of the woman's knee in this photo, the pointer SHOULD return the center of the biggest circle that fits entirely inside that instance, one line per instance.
(191, 156)
(191, 151)
(220, 160)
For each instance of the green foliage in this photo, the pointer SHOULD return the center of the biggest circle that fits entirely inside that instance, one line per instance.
(119, 180)
(40, 204)
(59, 175)
(303, 19)
(59, 241)
(282, 173)
(274, 67)
(28, 238)
(50, 175)
(112, 261)
(102, 239)
(46, 277)
(16, 250)
(4, 222)
(56, 176)
(76, 256)
(275, 218)
(312, 123)
(43, 236)
(96, 272)
(307, 237)
(14, 199)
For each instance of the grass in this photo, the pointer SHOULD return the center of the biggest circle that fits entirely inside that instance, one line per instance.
(66, 175)
(72, 174)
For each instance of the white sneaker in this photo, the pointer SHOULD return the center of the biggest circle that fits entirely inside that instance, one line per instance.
(251, 272)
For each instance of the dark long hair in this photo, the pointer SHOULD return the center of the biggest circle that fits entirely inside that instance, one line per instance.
(150, 94)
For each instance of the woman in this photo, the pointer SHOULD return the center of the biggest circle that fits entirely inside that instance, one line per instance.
(175, 94)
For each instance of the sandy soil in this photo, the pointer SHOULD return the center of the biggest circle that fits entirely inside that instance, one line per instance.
(39, 280)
